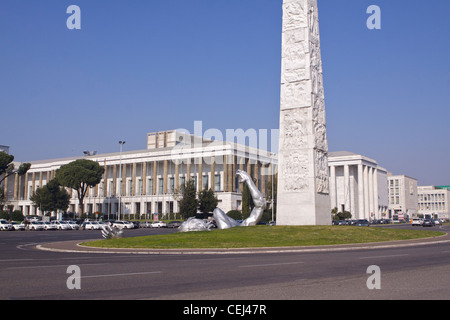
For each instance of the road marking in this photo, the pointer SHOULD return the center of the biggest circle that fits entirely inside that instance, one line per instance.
(56, 266)
(121, 274)
(22, 246)
(270, 264)
(388, 256)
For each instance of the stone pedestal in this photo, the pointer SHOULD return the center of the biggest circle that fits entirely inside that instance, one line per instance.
(303, 187)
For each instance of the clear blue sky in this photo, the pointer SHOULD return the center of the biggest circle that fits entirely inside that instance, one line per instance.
(139, 66)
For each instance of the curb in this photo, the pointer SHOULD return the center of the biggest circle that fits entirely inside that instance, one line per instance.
(76, 247)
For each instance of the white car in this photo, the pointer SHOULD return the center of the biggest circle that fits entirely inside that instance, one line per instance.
(62, 225)
(92, 225)
(5, 225)
(49, 226)
(74, 225)
(36, 226)
(159, 224)
(123, 225)
(417, 222)
(18, 226)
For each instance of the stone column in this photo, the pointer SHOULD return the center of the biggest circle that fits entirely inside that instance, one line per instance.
(144, 180)
(114, 191)
(25, 193)
(123, 192)
(230, 170)
(213, 176)
(333, 187)
(177, 175)
(155, 177)
(225, 174)
(375, 193)
(360, 191)
(16, 186)
(200, 174)
(105, 181)
(303, 186)
(347, 201)
(366, 193)
(165, 177)
(133, 180)
(370, 174)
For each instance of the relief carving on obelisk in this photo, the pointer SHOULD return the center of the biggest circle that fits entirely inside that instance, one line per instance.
(303, 147)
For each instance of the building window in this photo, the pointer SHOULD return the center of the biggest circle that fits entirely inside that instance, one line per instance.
(171, 185)
(161, 185)
(205, 182)
(217, 182)
(150, 186)
(140, 188)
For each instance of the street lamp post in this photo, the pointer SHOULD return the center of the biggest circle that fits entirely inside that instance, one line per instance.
(120, 175)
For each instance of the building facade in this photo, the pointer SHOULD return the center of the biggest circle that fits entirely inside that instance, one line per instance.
(358, 185)
(433, 201)
(148, 181)
(402, 196)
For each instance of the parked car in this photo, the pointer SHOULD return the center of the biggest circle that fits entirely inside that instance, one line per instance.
(123, 225)
(36, 225)
(49, 226)
(362, 223)
(417, 222)
(5, 225)
(74, 225)
(136, 224)
(174, 224)
(18, 226)
(428, 223)
(159, 224)
(62, 225)
(145, 224)
(91, 225)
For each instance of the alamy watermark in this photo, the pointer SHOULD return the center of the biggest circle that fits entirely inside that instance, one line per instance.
(212, 145)
(74, 280)
(374, 280)
(74, 20)
(374, 21)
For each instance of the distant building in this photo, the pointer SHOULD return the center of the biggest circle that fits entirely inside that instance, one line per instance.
(358, 185)
(4, 149)
(434, 201)
(402, 193)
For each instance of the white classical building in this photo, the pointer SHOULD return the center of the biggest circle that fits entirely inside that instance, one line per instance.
(358, 185)
(147, 181)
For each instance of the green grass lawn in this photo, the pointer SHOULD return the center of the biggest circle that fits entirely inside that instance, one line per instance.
(266, 236)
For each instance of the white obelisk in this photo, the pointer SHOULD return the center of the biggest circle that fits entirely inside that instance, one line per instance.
(303, 190)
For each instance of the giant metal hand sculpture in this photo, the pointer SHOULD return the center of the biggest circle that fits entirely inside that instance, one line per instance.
(110, 233)
(224, 222)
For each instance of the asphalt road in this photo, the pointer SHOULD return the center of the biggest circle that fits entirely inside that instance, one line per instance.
(420, 272)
